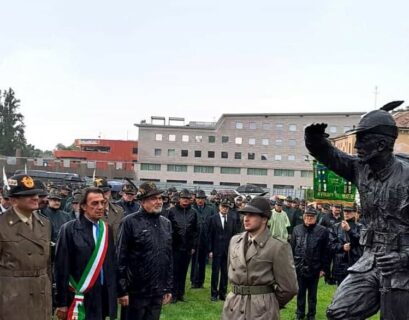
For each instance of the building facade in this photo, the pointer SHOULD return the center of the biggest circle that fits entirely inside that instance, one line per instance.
(262, 149)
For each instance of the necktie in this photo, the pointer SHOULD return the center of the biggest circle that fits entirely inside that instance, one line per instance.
(96, 225)
(224, 222)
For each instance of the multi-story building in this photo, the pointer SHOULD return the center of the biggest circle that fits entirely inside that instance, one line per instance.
(262, 149)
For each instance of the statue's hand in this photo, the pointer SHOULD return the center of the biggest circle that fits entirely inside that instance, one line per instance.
(391, 262)
(316, 128)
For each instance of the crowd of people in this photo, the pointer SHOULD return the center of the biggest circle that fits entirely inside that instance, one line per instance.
(135, 252)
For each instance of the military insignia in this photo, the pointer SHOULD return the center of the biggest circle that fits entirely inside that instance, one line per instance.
(12, 182)
(98, 182)
(28, 182)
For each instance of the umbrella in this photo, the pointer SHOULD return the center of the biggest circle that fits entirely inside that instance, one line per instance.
(250, 188)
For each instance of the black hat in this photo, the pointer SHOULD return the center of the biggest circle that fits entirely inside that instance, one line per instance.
(258, 205)
(147, 189)
(185, 194)
(66, 187)
(200, 194)
(54, 194)
(174, 199)
(172, 189)
(279, 202)
(77, 198)
(128, 188)
(226, 202)
(102, 183)
(41, 186)
(213, 192)
(165, 194)
(337, 205)
(310, 210)
(22, 185)
(348, 208)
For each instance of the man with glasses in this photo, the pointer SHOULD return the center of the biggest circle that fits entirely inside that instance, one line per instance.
(145, 257)
(85, 265)
(128, 201)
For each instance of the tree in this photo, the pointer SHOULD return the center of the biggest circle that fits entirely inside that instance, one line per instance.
(11, 124)
(61, 146)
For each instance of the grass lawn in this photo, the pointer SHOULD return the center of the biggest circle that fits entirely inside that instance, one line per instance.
(199, 306)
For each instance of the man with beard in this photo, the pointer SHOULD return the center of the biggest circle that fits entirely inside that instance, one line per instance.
(380, 278)
(261, 268)
(344, 244)
(185, 238)
(85, 264)
(145, 258)
(128, 201)
(309, 242)
(204, 212)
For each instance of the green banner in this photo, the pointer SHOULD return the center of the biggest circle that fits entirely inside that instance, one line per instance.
(330, 186)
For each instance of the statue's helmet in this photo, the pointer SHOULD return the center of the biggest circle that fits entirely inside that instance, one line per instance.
(379, 121)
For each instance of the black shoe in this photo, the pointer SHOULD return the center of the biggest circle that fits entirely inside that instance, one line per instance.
(299, 317)
(213, 298)
(310, 317)
(222, 297)
(182, 299)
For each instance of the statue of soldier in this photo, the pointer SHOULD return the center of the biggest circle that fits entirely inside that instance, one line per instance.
(380, 278)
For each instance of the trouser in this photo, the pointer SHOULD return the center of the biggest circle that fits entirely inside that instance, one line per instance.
(181, 259)
(198, 267)
(358, 297)
(305, 285)
(144, 308)
(219, 266)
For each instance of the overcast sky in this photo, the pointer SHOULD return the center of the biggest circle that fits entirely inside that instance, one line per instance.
(84, 69)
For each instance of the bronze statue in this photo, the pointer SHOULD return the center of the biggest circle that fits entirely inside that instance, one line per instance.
(380, 278)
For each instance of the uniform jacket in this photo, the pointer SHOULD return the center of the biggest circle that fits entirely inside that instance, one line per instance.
(114, 216)
(384, 197)
(219, 238)
(145, 255)
(128, 207)
(74, 248)
(57, 218)
(268, 262)
(185, 227)
(25, 286)
(203, 214)
(328, 220)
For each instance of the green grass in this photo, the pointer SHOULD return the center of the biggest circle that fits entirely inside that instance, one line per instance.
(199, 306)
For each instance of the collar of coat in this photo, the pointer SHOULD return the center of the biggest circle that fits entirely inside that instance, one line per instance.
(260, 240)
(13, 218)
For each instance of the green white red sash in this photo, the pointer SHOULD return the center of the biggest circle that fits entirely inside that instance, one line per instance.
(90, 274)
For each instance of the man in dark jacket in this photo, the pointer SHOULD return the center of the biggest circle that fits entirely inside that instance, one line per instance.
(309, 242)
(128, 201)
(83, 242)
(221, 228)
(145, 257)
(335, 216)
(204, 212)
(185, 238)
(344, 244)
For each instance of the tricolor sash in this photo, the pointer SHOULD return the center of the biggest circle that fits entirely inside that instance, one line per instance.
(90, 274)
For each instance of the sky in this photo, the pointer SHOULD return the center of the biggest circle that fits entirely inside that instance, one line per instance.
(89, 69)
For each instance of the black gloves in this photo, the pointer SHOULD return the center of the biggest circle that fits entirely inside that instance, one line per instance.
(316, 129)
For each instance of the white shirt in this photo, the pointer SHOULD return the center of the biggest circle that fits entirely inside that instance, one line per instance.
(222, 219)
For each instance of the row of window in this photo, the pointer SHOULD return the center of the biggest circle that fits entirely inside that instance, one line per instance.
(225, 170)
(225, 155)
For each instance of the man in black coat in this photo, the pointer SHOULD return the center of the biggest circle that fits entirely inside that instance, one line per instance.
(344, 244)
(204, 212)
(310, 249)
(128, 201)
(185, 238)
(77, 242)
(221, 228)
(145, 258)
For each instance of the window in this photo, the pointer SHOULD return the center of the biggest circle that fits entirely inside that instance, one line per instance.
(291, 157)
(184, 153)
(251, 156)
(256, 172)
(158, 137)
(158, 152)
(252, 125)
(177, 167)
(279, 126)
(277, 157)
(135, 150)
(224, 155)
(229, 170)
(292, 142)
(346, 128)
(264, 156)
(225, 139)
(333, 129)
(238, 140)
(283, 187)
(283, 173)
(279, 142)
(172, 137)
(237, 155)
(203, 182)
(306, 173)
(292, 127)
(267, 125)
(230, 184)
(150, 167)
(171, 152)
(239, 125)
(198, 153)
(212, 139)
(203, 169)
(210, 154)
(199, 138)
(252, 141)
(264, 142)
(185, 138)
